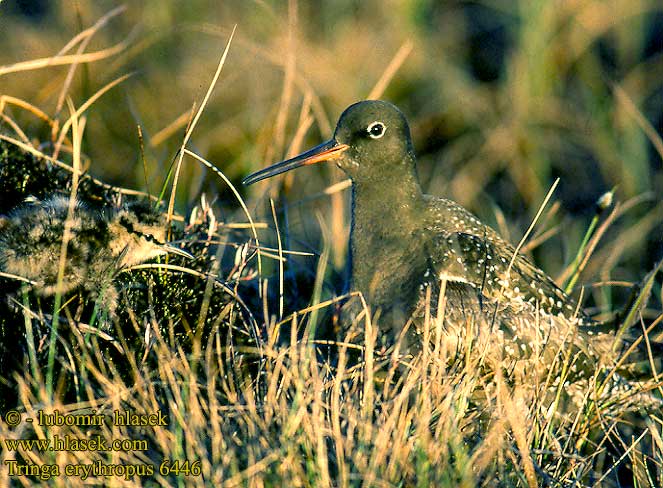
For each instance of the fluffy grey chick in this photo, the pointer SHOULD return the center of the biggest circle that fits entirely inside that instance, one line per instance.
(100, 245)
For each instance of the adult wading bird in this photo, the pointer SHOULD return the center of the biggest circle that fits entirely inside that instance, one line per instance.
(404, 241)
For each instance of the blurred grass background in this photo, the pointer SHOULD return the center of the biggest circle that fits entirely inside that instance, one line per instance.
(503, 96)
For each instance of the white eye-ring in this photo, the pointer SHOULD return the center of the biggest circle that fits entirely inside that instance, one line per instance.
(376, 130)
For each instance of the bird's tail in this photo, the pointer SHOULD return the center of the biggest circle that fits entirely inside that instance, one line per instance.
(638, 345)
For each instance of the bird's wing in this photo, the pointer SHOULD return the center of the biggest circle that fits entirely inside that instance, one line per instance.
(484, 263)
(524, 302)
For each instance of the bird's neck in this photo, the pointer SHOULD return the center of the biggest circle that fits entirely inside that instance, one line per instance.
(390, 200)
(384, 236)
(387, 198)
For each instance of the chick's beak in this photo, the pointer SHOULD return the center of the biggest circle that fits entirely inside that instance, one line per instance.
(326, 151)
(170, 249)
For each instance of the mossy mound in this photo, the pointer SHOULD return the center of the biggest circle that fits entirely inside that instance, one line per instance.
(186, 302)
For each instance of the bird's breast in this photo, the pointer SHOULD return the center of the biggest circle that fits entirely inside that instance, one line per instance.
(387, 267)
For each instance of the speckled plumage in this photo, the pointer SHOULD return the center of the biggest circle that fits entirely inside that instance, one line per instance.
(100, 245)
(404, 241)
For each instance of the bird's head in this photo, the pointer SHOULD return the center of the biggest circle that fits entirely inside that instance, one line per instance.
(371, 142)
(139, 234)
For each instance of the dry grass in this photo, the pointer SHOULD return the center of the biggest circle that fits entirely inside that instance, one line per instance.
(292, 409)
(304, 421)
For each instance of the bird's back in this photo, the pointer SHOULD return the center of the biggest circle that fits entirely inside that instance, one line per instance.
(466, 250)
(500, 293)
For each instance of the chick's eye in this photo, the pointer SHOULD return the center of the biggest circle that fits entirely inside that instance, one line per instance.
(376, 130)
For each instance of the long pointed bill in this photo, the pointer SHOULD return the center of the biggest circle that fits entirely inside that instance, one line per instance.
(176, 250)
(326, 151)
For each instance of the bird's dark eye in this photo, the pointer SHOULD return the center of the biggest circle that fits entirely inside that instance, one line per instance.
(376, 130)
